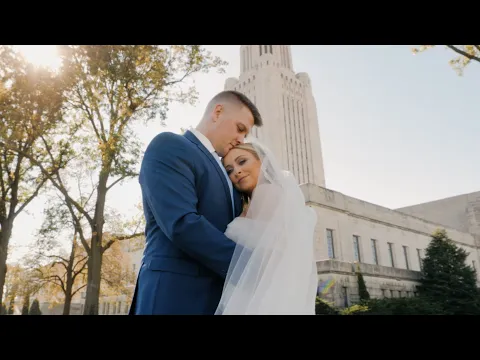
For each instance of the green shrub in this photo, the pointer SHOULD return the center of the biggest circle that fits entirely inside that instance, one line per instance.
(354, 310)
(401, 306)
(323, 307)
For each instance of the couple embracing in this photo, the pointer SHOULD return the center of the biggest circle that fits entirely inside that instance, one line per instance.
(227, 230)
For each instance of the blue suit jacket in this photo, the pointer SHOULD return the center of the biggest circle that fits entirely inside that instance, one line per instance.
(187, 206)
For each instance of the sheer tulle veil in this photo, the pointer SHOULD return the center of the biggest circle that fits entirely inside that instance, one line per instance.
(273, 270)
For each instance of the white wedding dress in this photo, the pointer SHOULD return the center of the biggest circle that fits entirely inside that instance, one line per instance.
(273, 270)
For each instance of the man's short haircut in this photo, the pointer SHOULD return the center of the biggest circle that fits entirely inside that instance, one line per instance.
(241, 99)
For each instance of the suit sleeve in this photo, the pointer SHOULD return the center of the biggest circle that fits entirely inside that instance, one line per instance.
(168, 183)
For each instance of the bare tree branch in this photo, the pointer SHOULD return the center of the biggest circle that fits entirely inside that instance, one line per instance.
(57, 257)
(120, 238)
(80, 288)
(50, 177)
(35, 194)
(121, 178)
(461, 52)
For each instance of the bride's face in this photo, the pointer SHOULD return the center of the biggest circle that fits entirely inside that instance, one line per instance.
(243, 168)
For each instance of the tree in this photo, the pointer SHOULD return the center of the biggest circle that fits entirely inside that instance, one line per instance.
(11, 306)
(27, 286)
(57, 270)
(466, 54)
(117, 273)
(20, 283)
(362, 288)
(12, 281)
(26, 305)
(446, 279)
(110, 89)
(30, 106)
(64, 272)
(35, 308)
(3, 309)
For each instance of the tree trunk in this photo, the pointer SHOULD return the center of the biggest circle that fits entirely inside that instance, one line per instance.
(69, 281)
(5, 234)
(68, 300)
(26, 304)
(93, 282)
(96, 251)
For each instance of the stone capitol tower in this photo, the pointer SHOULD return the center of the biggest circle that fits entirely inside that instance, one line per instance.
(285, 101)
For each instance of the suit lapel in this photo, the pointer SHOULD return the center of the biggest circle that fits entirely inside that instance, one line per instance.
(237, 198)
(190, 136)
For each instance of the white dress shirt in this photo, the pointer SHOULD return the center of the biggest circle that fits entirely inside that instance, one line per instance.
(208, 144)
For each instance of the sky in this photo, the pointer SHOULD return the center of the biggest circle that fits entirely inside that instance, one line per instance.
(396, 129)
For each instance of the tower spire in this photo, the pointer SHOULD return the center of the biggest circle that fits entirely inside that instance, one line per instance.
(285, 100)
(253, 57)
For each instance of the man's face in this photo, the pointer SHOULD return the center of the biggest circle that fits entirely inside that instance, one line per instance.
(232, 123)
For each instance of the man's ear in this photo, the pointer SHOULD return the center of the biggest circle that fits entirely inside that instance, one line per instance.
(217, 111)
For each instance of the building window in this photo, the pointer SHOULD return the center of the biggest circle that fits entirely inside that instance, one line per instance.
(374, 251)
(383, 294)
(405, 254)
(420, 262)
(390, 253)
(271, 49)
(260, 47)
(356, 248)
(330, 245)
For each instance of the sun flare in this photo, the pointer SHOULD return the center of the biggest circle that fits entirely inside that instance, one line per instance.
(41, 55)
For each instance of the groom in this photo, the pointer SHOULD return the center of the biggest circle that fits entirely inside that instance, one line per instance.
(188, 202)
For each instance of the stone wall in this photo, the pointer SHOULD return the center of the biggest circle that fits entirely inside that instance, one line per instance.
(381, 281)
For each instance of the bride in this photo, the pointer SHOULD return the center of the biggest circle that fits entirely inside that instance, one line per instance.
(273, 269)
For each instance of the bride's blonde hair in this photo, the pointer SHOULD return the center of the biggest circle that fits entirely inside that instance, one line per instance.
(248, 147)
